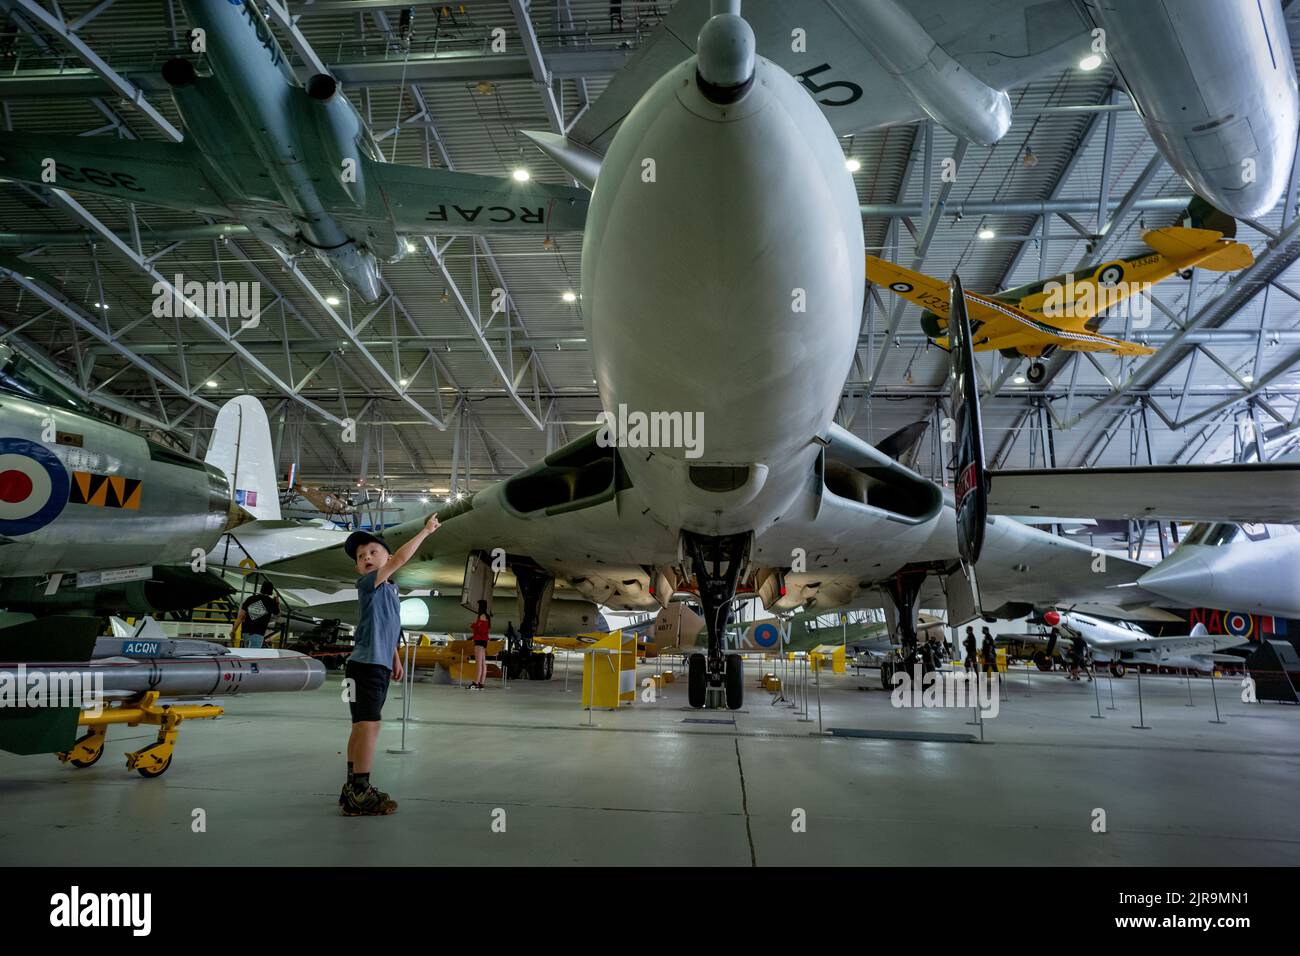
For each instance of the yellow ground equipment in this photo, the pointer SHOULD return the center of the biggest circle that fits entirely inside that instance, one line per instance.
(150, 761)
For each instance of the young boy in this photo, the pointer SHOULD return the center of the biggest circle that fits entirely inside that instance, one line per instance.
(374, 662)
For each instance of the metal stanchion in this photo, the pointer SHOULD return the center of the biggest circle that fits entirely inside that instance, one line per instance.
(819, 704)
(591, 689)
(1187, 673)
(407, 681)
(803, 683)
(1110, 680)
(1214, 692)
(1141, 724)
(1096, 692)
(566, 671)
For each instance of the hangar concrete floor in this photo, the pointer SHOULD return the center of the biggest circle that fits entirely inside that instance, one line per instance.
(652, 785)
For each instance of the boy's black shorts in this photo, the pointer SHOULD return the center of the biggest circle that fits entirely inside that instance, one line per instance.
(370, 684)
(480, 643)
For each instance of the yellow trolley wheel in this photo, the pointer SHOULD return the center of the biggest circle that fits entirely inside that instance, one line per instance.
(154, 772)
(82, 764)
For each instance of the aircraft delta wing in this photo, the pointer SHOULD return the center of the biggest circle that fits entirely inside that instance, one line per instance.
(1254, 492)
(1213, 80)
(607, 547)
(1004, 43)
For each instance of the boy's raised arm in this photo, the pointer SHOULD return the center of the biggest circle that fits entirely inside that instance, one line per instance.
(406, 551)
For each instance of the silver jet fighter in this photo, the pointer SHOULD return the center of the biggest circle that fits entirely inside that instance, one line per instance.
(80, 495)
(722, 287)
(1251, 567)
(293, 163)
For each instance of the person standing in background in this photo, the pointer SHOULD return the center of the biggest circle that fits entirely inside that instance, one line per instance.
(256, 615)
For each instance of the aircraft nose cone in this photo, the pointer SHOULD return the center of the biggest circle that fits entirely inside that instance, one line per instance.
(725, 58)
(1185, 576)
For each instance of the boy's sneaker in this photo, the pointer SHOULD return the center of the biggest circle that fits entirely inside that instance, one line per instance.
(367, 803)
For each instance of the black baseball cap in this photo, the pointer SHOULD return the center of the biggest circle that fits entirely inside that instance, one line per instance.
(357, 538)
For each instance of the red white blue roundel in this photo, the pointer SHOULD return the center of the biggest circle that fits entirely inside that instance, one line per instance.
(766, 635)
(1238, 624)
(33, 486)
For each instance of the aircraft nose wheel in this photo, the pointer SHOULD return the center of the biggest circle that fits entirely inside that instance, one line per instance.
(697, 680)
(1037, 372)
(1117, 669)
(735, 681)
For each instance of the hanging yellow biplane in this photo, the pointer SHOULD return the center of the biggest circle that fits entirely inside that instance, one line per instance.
(1063, 312)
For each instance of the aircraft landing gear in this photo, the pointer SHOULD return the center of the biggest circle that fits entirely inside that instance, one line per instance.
(519, 656)
(717, 564)
(1117, 669)
(1042, 661)
(1036, 373)
(735, 681)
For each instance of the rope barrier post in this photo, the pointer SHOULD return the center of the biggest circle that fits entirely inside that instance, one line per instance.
(1141, 724)
(407, 685)
(1216, 719)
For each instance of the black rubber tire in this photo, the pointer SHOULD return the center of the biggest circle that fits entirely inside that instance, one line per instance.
(1042, 661)
(887, 675)
(1117, 669)
(1036, 373)
(735, 681)
(696, 681)
(154, 773)
(81, 764)
(548, 666)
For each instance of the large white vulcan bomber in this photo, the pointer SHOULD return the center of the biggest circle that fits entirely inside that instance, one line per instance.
(732, 146)
(723, 279)
(291, 162)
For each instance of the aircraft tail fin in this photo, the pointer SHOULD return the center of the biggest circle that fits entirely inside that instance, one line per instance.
(903, 443)
(1181, 242)
(241, 447)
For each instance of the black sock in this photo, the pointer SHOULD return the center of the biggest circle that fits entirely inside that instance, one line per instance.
(361, 780)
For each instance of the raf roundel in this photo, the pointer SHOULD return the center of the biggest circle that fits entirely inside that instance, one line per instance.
(33, 486)
(767, 635)
(1238, 624)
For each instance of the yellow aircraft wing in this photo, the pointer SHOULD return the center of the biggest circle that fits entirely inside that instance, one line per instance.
(1000, 324)
(919, 289)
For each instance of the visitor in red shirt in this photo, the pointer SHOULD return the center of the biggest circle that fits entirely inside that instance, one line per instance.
(479, 632)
